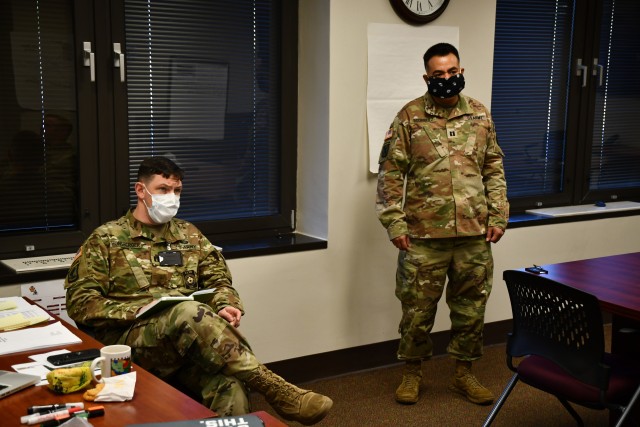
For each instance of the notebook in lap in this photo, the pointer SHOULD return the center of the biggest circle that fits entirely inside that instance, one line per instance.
(10, 382)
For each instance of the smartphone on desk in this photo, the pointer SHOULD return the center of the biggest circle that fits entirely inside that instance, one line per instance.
(73, 357)
(536, 269)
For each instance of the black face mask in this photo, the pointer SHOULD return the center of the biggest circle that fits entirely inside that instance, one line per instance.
(445, 88)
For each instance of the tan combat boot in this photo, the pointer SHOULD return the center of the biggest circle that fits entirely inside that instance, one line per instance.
(465, 383)
(291, 402)
(409, 389)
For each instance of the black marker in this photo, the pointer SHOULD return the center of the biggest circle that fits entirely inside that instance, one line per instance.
(54, 407)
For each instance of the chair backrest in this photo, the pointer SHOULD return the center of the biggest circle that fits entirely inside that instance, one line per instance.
(559, 323)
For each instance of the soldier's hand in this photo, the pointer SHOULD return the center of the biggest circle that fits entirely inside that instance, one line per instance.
(401, 242)
(231, 315)
(494, 234)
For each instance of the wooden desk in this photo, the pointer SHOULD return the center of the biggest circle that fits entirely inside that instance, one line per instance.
(614, 280)
(149, 404)
(153, 401)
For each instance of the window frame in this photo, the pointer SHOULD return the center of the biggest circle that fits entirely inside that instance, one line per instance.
(103, 128)
(581, 107)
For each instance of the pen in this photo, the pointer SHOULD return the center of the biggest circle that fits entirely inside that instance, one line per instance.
(48, 409)
(94, 411)
(53, 407)
(37, 419)
(58, 421)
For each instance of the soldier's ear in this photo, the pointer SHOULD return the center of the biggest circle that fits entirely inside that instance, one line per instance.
(140, 192)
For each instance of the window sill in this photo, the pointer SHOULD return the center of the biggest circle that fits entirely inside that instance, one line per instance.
(231, 249)
(530, 220)
(294, 242)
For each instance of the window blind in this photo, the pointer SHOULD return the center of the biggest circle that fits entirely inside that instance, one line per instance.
(530, 84)
(203, 89)
(38, 131)
(615, 149)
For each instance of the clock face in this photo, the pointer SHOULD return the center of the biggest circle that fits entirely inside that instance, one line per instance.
(424, 7)
(419, 11)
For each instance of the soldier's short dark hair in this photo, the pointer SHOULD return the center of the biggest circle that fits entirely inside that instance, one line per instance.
(158, 165)
(439, 49)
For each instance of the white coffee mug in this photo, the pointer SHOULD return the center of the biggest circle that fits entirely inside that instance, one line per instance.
(114, 360)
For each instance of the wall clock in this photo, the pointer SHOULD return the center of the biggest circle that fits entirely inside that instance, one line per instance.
(419, 11)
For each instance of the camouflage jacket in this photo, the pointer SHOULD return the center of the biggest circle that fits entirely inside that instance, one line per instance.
(117, 271)
(452, 164)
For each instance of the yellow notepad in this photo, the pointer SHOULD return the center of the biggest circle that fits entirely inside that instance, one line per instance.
(7, 305)
(18, 320)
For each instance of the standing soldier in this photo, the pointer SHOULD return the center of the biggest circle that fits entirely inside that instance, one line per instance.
(443, 147)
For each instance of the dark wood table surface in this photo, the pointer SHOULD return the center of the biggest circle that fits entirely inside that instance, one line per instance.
(614, 280)
(154, 400)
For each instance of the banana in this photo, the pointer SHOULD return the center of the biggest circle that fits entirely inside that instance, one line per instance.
(68, 380)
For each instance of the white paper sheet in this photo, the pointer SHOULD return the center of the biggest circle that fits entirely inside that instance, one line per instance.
(37, 337)
(395, 73)
(27, 310)
(33, 368)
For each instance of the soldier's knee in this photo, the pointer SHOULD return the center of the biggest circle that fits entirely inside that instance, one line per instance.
(191, 311)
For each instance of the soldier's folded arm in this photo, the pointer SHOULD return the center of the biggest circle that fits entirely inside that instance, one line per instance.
(214, 273)
(88, 306)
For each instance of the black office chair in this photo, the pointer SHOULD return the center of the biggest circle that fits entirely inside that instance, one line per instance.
(559, 332)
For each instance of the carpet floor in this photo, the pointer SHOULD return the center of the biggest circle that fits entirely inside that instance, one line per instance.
(367, 399)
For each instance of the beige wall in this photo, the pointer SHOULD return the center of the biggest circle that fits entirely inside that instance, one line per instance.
(318, 301)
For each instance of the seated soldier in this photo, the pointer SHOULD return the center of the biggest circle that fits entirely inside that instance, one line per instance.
(146, 254)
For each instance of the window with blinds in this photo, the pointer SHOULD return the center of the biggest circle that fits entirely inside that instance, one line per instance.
(203, 88)
(90, 88)
(564, 100)
(38, 127)
(615, 147)
(530, 85)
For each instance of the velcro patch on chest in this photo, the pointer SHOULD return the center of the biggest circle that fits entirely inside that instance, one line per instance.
(128, 245)
(185, 247)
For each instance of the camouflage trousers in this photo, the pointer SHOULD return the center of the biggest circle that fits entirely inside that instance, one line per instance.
(191, 344)
(420, 281)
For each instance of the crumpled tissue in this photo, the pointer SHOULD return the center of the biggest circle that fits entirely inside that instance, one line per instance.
(118, 389)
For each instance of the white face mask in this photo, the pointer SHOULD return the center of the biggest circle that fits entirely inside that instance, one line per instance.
(163, 208)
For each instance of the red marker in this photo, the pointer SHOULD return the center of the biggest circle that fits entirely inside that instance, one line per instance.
(37, 419)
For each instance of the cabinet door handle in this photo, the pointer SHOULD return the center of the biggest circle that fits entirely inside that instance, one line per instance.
(89, 60)
(581, 71)
(598, 70)
(118, 60)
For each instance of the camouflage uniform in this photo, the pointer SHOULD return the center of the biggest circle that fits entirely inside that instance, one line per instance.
(455, 189)
(116, 272)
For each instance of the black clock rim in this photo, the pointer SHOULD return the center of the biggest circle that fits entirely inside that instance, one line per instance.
(412, 18)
